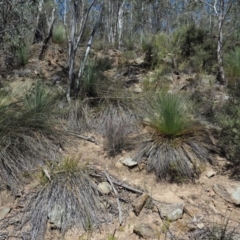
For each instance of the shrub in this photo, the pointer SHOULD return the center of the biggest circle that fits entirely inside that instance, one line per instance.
(196, 49)
(175, 148)
(27, 133)
(94, 82)
(156, 48)
(22, 55)
(215, 231)
(59, 34)
(116, 133)
(228, 118)
(232, 64)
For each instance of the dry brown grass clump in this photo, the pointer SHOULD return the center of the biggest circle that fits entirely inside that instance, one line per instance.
(67, 197)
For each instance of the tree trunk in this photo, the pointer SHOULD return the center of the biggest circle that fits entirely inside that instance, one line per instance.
(120, 24)
(87, 51)
(46, 40)
(221, 76)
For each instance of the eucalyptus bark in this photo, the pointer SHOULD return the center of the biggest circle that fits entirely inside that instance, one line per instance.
(79, 16)
(221, 79)
(81, 69)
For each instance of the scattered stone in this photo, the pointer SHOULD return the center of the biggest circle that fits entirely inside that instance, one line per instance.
(146, 121)
(172, 212)
(137, 90)
(190, 210)
(200, 225)
(167, 197)
(4, 212)
(104, 187)
(139, 60)
(229, 193)
(128, 162)
(144, 231)
(139, 203)
(210, 173)
(55, 216)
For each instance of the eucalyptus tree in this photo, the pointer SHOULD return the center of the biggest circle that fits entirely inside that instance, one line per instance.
(222, 10)
(17, 20)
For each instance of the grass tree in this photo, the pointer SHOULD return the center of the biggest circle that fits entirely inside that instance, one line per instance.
(176, 147)
(27, 133)
(66, 196)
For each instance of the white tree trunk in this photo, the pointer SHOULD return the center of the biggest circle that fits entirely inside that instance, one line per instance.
(222, 79)
(81, 69)
(120, 23)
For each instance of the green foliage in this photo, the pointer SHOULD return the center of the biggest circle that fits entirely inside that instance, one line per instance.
(156, 49)
(23, 55)
(94, 82)
(16, 21)
(232, 64)
(171, 114)
(196, 49)
(59, 34)
(228, 118)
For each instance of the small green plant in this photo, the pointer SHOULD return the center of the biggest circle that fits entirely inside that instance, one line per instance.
(232, 64)
(172, 115)
(59, 34)
(111, 237)
(176, 146)
(94, 82)
(23, 55)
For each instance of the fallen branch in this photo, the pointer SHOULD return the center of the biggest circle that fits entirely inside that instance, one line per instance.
(116, 193)
(87, 138)
(127, 187)
(120, 184)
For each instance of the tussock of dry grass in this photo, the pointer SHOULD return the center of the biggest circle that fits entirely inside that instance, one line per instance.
(68, 193)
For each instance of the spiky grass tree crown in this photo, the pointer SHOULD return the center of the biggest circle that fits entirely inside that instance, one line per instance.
(170, 115)
(175, 147)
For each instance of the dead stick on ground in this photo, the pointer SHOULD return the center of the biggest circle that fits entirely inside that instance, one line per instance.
(90, 139)
(128, 187)
(116, 193)
(121, 184)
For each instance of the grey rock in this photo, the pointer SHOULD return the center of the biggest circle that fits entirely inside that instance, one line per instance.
(104, 187)
(137, 90)
(210, 173)
(139, 203)
(200, 225)
(172, 212)
(128, 162)
(230, 193)
(55, 216)
(144, 231)
(4, 212)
